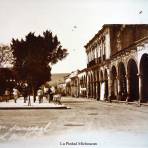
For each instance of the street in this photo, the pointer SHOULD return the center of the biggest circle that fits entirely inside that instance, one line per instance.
(88, 123)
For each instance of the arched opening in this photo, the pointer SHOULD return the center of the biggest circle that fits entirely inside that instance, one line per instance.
(94, 85)
(82, 83)
(84, 86)
(98, 86)
(106, 84)
(114, 87)
(91, 85)
(144, 72)
(133, 80)
(102, 86)
(122, 81)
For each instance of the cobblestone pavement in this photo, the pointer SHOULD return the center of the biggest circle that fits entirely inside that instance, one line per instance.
(88, 124)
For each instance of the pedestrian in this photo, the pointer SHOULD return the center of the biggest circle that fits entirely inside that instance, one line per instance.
(25, 91)
(52, 93)
(15, 94)
(50, 96)
(57, 97)
(40, 95)
(46, 92)
(7, 95)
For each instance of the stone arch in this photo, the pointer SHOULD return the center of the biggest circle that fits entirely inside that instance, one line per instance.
(102, 85)
(132, 70)
(114, 87)
(106, 84)
(82, 85)
(85, 82)
(127, 61)
(122, 81)
(98, 85)
(91, 84)
(144, 77)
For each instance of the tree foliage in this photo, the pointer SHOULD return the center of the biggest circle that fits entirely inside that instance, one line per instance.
(33, 56)
(6, 56)
(6, 79)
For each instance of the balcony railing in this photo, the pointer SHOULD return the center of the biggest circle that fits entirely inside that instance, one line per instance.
(96, 61)
(91, 63)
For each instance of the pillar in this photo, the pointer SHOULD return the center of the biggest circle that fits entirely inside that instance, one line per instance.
(140, 88)
(118, 89)
(87, 86)
(109, 88)
(128, 87)
(97, 90)
(92, 89)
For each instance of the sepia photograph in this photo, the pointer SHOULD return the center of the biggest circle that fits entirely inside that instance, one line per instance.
(73, 74)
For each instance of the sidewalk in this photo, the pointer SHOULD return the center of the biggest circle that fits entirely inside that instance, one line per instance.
(21, 105)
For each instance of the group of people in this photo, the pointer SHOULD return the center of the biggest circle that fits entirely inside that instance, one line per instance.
(11, 94)
(24, 91)
(46, 92)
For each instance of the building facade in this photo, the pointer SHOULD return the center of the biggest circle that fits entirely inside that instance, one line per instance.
(117, 64)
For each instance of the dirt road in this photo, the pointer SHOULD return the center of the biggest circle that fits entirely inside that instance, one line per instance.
(88, 123)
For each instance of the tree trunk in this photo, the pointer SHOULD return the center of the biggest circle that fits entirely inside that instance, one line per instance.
(34, 94)
(29, 101)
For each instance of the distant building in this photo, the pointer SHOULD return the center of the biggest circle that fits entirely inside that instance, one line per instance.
(72, 84)
(117, 61)
(57, 78)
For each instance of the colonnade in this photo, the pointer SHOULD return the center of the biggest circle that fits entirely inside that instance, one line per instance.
(125, 81)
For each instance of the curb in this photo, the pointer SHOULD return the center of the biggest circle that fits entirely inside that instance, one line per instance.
(31, 107)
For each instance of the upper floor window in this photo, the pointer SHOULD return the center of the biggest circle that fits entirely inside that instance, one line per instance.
(118, 40)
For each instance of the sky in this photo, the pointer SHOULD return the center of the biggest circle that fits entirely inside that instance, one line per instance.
(75, 22)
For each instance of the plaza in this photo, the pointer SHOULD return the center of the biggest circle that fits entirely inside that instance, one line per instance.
(106, 124)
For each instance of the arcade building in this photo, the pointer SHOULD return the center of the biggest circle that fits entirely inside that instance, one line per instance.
(117, 65)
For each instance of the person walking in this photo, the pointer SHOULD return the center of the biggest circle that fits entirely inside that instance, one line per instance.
(7, 95)
(15, 94)
(52, 93)
(25, 91)
(46, 94)
(40, 95)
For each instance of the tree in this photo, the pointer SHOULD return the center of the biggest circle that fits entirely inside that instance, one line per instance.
(6, 79)
(33, 57)
(6, 56)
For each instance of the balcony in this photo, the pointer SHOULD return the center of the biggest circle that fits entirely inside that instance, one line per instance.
(103, 57)
(91, 63)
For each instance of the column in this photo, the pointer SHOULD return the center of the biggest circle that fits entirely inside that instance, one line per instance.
(94, 95)
(97, 86)
(96, 90)
(118, 89)
(100, 82)
(128, 87)
(109, 88)
(92, 89)
(94, 84)
(78, 84)
(87, 86)
(140, 88)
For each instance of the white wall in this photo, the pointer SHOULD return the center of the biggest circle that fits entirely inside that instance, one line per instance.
(107, 45)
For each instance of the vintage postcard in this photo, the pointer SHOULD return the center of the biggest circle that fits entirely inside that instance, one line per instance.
(73, 74)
